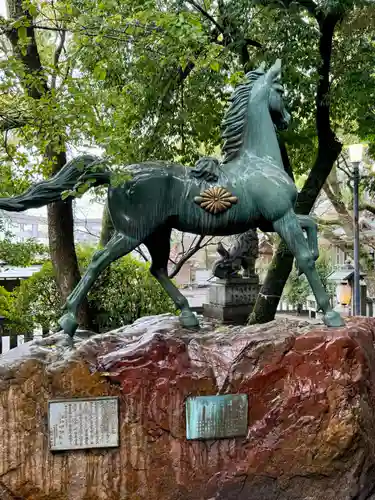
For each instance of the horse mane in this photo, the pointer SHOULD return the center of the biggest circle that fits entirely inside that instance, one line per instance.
(235, 118)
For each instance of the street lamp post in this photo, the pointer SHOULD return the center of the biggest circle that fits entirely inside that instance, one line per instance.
(355, 153)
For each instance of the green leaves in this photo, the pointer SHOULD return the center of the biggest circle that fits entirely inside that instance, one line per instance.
(215, 66)
(22, 33)
(137, 76)
(100, 71)
(22, 254)
(37, 301)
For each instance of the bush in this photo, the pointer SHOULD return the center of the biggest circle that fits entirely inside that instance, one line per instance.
(22, 253)
(123, 293)
(13, 306)
(36, 302)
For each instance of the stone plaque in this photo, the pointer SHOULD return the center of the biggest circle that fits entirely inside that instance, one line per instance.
(76, 424)
(215, 417)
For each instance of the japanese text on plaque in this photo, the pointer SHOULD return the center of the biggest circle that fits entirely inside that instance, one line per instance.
(79, 424)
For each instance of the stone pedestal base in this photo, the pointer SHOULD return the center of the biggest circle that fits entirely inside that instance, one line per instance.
(235, 315)
(311, 413)
(231, 301)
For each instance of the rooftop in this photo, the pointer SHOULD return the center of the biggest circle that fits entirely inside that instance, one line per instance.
(12, 273)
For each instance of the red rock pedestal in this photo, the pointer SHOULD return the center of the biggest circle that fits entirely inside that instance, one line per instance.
(311, 433)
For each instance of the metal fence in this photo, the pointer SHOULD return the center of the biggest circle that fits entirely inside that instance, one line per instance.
(8, 342)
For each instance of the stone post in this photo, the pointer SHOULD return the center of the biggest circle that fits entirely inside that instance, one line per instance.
(232, 300)
(363, 297)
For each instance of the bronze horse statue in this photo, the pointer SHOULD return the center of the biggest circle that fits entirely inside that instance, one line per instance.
(249, 188)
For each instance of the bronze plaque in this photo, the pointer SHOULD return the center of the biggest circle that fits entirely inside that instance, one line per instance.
(216, 417)
(76, 424)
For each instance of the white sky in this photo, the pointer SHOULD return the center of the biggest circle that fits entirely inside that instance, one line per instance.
(2, 8)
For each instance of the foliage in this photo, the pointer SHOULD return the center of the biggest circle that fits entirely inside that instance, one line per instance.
(23, 253)
(8, 310)
(183, 59)
(36, 302)
(123, 293)
(126, 292)
(156, 70)
(297, 288)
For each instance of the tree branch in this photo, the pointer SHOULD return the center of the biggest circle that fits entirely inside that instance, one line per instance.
(56, 58)
(348, 174)
(253, 43)
(347, 167)
(141, 253)
(87, 230)
(327, 222)
(8, 122)
(36, 86)
(340, 208)
(206, 15)
(309, 5)
(329, 146)
(187, 256)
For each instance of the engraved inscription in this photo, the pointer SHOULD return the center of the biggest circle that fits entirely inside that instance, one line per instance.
(214, 417)
(83, 423)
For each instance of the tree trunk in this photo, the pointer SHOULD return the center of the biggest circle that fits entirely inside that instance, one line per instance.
(107, 230)
(61, 244)
(328, 151)
(60, 214)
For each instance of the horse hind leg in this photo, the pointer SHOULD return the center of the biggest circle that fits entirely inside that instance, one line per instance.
(289, 228)
(158, 245)
(310, 226)
(118, 246)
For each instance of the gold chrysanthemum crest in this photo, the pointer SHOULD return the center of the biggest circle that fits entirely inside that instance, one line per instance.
(215, 200)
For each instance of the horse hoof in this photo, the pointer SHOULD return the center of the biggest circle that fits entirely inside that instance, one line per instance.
(68, 323)
(189, 320)
(333, 319)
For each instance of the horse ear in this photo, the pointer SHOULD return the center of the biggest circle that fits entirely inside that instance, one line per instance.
(262, 68)
(256, 72)
(274, 71)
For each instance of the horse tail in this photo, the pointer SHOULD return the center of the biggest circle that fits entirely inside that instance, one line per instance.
(83, 169)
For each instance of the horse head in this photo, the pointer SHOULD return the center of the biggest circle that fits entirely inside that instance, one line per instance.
(261, 94)
(268, 87)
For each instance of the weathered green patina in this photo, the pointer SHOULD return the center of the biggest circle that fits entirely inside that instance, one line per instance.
(160, 196)
(216, 417)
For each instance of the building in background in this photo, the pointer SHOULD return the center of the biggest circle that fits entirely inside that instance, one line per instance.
(23, 225)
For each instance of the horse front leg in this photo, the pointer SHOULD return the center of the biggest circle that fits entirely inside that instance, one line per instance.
(289, 229)
(118, 246)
